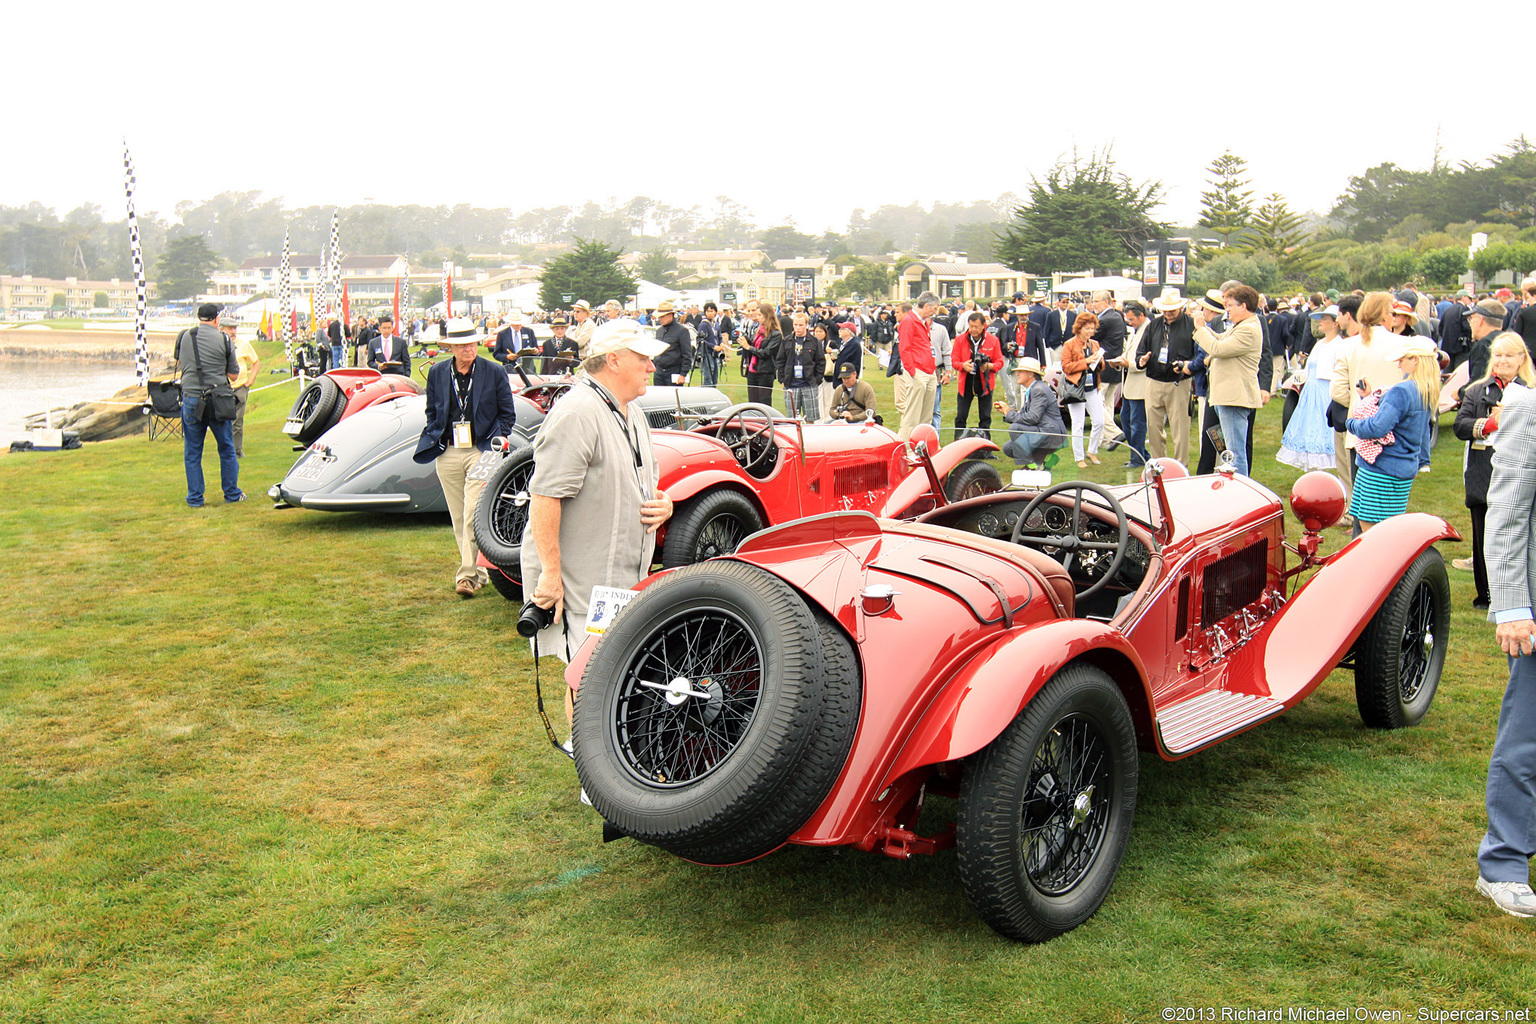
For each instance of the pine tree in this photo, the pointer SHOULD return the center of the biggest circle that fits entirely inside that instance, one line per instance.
(1280, 233)
(1082, 215)
(1227, 207)
(590, 272)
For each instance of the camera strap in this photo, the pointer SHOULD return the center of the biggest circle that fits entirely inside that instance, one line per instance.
(538, 694)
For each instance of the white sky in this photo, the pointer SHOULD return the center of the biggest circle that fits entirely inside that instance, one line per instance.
(587, 99)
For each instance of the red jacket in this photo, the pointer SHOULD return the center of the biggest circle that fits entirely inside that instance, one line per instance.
(916, 345)
(991, 350)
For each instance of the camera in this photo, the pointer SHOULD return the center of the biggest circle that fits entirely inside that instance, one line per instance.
(533, 618)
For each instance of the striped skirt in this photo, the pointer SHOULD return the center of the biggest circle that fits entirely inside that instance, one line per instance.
(1377, 496)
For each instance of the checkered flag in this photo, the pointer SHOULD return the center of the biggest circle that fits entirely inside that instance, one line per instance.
(333, 284)
(285, 303)
(447, 294)
(140, 289)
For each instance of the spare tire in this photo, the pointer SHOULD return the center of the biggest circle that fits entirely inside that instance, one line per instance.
(701, 723)
(318, 407)
(501, 514)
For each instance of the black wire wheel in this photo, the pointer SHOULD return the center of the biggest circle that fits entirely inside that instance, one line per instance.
(1045, 810)
(971, 479)
(318, 408)
(700, 719)
(501, 513)
(707, 525)
(1401, 654)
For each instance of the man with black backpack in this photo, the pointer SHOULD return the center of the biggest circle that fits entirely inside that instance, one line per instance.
(208, 367)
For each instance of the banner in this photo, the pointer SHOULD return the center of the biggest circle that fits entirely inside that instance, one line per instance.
(346, 306)
(396, 308)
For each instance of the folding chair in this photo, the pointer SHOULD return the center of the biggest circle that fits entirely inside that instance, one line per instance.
(164, 409)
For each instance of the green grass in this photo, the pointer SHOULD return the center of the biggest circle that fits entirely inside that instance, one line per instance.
(262, 765)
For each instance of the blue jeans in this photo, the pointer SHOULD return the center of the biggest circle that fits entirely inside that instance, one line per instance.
(938, 408)
(338, 356)
(1133, 417)
(192, 435)
(709, 362)
(1234, 428)
(1506, 851)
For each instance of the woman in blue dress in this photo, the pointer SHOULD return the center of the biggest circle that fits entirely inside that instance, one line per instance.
(1308, 440)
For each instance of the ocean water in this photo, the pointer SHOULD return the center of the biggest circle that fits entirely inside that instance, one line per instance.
(31, 385)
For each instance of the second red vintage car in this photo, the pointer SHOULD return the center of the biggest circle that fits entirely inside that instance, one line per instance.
(1013, 650)
(746, 468)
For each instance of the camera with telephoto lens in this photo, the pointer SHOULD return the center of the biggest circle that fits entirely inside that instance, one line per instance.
(533, 618)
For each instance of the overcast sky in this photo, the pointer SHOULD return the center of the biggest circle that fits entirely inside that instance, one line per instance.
(804, 111)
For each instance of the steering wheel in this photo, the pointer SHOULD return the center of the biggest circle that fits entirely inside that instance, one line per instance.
(755, 421)
(1070, 541)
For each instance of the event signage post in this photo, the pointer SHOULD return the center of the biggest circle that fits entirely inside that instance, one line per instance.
(800, 284)
(1164, 264)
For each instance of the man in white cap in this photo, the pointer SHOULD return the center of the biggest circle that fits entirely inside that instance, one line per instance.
(469, 402)
(595, 505)
(582, 325)
(1165, 350)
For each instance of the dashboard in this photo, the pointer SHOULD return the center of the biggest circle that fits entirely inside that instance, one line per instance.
(998, 520)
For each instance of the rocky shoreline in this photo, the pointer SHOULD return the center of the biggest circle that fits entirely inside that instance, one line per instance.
(82, 346)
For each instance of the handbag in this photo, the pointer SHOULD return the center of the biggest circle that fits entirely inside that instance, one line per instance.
(1070, 391)
(218, 400)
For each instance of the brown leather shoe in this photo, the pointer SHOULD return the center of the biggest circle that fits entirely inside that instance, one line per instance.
(465, 588)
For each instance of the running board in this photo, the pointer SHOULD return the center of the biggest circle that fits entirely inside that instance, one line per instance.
(1210, 716)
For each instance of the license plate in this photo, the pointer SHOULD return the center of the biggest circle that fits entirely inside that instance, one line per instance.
(310, 469)
(291, 427)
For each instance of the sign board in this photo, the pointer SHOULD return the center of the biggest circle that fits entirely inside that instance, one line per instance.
(567, 296)
(954, 289)
(800, 284)
(728, 295)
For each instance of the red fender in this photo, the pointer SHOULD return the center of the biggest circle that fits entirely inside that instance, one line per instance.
(1330, 611)
(978, 703)
(691, 483)
(915, 485)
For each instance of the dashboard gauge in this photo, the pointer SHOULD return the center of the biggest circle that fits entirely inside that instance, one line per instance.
(1036, 520)
(988, 525)
(1056, 518)
(1011, 518)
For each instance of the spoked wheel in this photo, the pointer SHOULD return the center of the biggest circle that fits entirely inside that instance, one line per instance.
(711, 524)
(1045, 811)
(701, 721)
(971, 479)
(501, 514)
(1401, 653)
(318, 408)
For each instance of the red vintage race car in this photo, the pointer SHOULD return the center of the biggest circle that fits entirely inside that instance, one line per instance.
(1013, 650)
(745, 468)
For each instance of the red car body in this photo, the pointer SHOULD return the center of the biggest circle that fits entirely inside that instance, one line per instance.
(957, 632)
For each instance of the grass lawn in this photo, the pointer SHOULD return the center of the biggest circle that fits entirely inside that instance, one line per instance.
(262, 765)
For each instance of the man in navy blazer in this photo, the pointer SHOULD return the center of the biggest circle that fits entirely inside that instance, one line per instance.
(386, 353)
(469, 402)
(512, 339)
(1058, 324)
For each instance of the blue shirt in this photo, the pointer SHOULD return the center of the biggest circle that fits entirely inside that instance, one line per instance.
(1403, 415)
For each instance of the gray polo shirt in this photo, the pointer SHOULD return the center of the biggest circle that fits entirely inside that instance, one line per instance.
(216, 353)
(583, 457)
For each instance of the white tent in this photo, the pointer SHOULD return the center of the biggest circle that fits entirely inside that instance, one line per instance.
(1121, 287)
(524, 297)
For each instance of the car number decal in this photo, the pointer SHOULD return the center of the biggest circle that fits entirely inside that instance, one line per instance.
(606, 603)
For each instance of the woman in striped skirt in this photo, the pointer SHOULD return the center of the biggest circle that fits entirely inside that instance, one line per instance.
(1384, 473)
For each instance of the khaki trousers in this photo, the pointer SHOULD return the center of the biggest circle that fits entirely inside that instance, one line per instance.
(242, 398)
(915, 400)
(462, 489)
(1344, 462)
(1168, 404)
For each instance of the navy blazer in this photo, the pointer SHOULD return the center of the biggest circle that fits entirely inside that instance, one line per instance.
(492, 418)
(1054, 337)
(401, 355)
(506, 350)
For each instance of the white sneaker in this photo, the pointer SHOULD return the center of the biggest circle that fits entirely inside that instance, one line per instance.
(1465, 564)
(566, 746)
(1513, 898)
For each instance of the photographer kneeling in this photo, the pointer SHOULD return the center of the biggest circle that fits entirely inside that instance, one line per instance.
(1035, 429)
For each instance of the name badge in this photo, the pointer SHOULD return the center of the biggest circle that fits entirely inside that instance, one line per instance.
(1162, 356)
(461, 435)
(605, 604)
(799, 371)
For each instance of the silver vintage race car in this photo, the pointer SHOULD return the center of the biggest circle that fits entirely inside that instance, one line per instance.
(364, 463)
